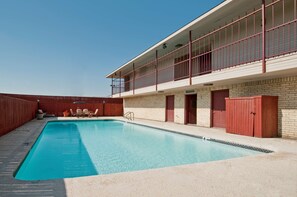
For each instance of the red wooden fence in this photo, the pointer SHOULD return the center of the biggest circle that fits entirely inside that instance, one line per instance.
(57, 104)
(16, 109)
(14, 112)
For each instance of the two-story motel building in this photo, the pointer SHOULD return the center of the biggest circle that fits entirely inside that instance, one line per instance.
(240, 48)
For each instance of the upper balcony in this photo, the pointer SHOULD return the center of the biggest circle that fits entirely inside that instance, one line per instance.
(228, 43)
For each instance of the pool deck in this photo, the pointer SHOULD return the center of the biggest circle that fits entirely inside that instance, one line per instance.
(272, 174)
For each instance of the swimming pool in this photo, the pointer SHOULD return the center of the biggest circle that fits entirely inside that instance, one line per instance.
(67, 149)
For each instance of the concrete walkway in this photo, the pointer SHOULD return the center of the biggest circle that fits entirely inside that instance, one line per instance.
(273, 174)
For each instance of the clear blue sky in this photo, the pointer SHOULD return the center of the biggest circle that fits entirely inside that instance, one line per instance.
(66, 47)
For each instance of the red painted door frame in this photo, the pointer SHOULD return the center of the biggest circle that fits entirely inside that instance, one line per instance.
(190, 109)
(169, 112)
(218, 108)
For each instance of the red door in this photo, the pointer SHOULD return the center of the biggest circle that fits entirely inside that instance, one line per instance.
(169, 108)
(191, 109)
(219, 108)
(239, 116)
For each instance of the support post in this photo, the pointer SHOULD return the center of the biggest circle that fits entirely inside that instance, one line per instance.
(111, 85)
(190, 57)
(120, 83)
(156, 70)
(263, 37)
(133, 79)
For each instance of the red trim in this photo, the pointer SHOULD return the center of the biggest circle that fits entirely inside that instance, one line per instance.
(186, 114)
(133, 79)
(120, 83)
(187, 109)
(190, 57)
(167, 105)
(263, 37)
(156, 69)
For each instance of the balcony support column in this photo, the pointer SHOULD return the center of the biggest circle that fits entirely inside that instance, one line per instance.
(111, 85)
(133, 79)
(120, 83)
(190, 57)
(156, 70)
(263, 37)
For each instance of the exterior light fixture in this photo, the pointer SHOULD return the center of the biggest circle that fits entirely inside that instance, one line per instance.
(164, 46)
(178, 45)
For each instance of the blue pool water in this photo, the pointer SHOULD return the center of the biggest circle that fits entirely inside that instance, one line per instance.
(82, 148)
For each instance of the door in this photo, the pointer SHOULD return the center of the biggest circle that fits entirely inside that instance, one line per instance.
(191, 109)
(240, 116)
(219, 108)
(169, 109)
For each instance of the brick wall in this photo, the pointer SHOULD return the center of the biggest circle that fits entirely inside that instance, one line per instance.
(179, 105)
(153, 106)
(203, 107)
(146, 107)
(286, 90)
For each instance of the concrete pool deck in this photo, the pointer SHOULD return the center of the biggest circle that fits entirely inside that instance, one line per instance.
(272, 174)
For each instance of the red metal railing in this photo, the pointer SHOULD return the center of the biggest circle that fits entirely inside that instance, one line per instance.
(145, 75)
(281, 33)
(237, 43)
(234, 44)
(145, 80)
(281, 39)
(118, 86)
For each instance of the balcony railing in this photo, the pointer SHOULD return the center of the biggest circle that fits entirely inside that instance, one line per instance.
(237, 43)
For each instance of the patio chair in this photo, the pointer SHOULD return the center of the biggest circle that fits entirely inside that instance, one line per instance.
(40, 114)
(79, 113)
(72, 113)
(93, 114)
(86, 112)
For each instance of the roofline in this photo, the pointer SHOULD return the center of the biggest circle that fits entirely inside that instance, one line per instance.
(199, 18)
